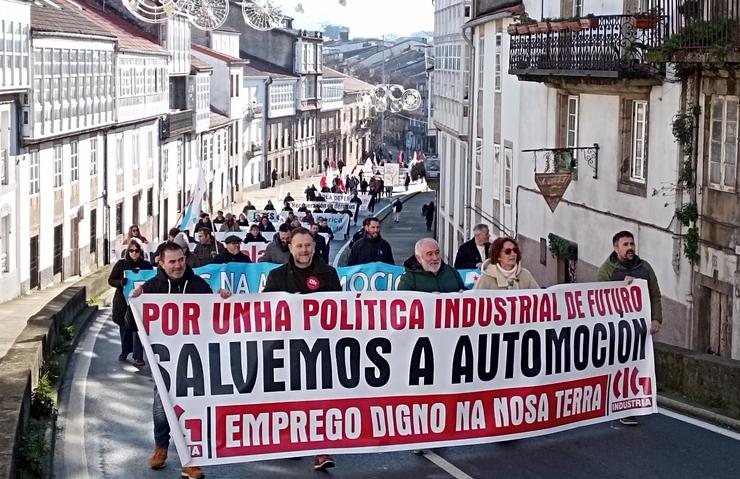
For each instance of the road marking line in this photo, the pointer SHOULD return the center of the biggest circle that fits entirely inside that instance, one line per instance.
(699, 423)
(445, 465)
(75, 457)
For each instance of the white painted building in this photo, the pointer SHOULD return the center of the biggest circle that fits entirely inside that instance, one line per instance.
(529, 107)
(450, 117)
(253, 135)
(15, 81)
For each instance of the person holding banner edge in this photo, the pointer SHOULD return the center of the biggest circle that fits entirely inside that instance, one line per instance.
(173, 277)
(304, 273)
(624, 265)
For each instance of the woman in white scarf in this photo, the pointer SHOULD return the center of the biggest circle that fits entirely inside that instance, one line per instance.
(503, 269)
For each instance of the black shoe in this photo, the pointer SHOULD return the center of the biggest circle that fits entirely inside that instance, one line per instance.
(630, 421)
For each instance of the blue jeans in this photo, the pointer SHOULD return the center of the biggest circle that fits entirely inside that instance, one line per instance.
(130, 342)
(161, 426)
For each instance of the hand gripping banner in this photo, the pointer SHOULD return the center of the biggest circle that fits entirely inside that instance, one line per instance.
(276, 375)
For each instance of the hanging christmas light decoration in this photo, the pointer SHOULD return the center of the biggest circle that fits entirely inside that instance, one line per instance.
(393, 97)
(207, 14)
(262, 15)
(154, 11)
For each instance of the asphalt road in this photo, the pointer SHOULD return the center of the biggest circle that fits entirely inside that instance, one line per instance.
(106, 432)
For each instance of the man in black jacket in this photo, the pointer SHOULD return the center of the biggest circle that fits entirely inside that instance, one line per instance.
(233, 253)
(325, 228)
(322, 248)
(304, 273)
(173, 277)
(372, 247)
(473, 253)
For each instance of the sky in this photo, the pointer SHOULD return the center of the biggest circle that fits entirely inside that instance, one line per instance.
(364, 18)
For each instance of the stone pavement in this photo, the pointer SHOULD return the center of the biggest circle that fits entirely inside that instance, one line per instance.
(411, 228)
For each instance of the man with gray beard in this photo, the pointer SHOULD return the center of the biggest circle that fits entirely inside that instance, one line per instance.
(427, 273)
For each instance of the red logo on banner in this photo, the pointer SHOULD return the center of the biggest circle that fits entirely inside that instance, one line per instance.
(313, 283)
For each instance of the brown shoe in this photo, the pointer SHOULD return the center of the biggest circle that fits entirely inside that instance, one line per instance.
(192, 473)
(158, 458)
(322, 461)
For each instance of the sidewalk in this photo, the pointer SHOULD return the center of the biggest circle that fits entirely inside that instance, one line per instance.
(16, 312)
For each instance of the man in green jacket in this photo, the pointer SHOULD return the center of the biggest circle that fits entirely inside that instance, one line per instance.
(623, 264)
(427, 273)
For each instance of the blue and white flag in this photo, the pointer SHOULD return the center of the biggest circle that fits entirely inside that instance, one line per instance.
(192, 212)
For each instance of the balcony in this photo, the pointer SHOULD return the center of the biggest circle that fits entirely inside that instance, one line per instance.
(610, 46)
(177, 123)
(702, 30)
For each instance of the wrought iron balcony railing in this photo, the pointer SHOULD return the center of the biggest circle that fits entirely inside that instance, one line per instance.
(701, 24)
(612, 46)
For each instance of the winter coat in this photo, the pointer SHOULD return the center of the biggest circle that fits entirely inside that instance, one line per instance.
(258, 239)
(397, 206)
(206, 253)
(492, 278)
(118, 281)
(468, 255)
(369, 250)
(269, 227)
(317, 278)
(414, 278)
(233, 228)
(276, 252)
(190, 283)
(615, 269)
(226, 257)
(322, 248)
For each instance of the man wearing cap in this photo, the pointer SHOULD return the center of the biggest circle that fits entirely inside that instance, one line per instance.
(233, 253)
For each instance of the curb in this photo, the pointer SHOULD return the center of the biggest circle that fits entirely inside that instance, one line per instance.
(698, 412)
(382, 215)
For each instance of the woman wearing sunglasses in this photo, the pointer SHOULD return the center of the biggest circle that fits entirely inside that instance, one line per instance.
(133, 260)
(503, 269)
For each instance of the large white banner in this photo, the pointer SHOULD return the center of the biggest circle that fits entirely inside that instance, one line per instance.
(267, 376)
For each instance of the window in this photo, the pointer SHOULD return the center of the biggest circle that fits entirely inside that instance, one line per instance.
(150, 202)
(119, 155)
(4, 146)
(481, 69)
(577, 8)
(74, 162)
(58, 237)
(136, 152)
(508, 154)
(5, 244)
(34, 173)
(57, 166)
(165, 165)
(639, 137)
(497, 65)
(93, 230)
(571, 132)
(150, 155)
(723, 143)
(497, 172)
(119, 218)
(93, 156)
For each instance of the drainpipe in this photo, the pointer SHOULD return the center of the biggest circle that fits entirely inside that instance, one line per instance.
(265, 181)
(106, 206)
(471, 90)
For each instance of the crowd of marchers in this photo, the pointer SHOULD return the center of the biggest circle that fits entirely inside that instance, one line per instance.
(304, 268)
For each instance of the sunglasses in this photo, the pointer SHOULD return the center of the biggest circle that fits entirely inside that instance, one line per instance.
(508, 251)
(134, 251)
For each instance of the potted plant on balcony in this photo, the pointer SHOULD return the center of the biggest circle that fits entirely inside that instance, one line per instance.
(590, 21)
(512, 29)
(644, 21)
(573, 24)
(543, 26)
(557, 25)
